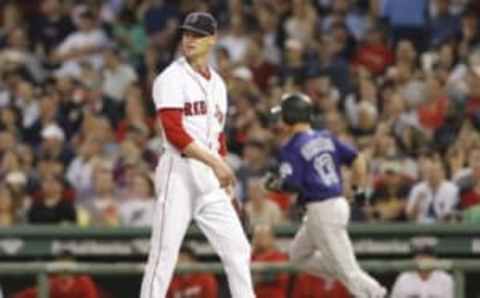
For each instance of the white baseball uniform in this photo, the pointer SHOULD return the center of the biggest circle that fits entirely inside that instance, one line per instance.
(322, 247)
(188, 189)
(409, 284)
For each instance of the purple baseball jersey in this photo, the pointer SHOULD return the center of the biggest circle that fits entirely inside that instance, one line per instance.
(311, 162)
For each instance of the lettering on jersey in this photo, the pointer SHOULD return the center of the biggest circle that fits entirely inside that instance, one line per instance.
(312, 148)
(195, 108)
(188, 109)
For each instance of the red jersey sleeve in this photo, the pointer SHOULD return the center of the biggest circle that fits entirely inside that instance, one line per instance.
(171, 120)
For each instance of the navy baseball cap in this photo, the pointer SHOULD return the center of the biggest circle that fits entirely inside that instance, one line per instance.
(200, 22)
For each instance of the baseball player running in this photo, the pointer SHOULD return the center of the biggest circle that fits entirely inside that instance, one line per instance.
(310, 166)
(191, 177)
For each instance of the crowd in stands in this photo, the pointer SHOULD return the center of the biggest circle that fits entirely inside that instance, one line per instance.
(398, 79)
(79, 139)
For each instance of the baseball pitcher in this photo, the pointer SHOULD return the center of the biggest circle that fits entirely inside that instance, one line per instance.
(192, 177)
(310, 165)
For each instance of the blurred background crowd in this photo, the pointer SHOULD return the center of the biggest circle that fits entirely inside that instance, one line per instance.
(398, 79)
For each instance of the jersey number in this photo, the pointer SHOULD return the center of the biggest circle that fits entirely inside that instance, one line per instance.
(325, 168)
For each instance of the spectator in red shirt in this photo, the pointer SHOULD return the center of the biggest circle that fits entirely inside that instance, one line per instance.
(374, 53)
(309, 286)
(471, 197)
(81, 286)
(192, 285)
(66, 286)
(268, 285)
(433, 111)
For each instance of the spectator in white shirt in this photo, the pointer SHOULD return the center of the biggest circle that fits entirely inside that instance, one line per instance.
(426, 281)
(82, 46)
(259, 209)
(434, 198)
(80, 171)
(118, 76)
(236, 40)
(137, 208)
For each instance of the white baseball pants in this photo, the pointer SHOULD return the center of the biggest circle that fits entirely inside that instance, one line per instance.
(322, 247)
(188, 189)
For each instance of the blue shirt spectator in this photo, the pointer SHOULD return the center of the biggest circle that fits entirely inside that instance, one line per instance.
(443, 25)
(405, 13)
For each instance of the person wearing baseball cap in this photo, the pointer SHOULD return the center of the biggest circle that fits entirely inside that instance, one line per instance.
(427, 280)
(191, 102)
(198, 38)
(201, 23)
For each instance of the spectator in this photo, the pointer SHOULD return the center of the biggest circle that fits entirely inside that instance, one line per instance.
(262, 70)
(137, 209)
(16, 56)
(151, 64)
(468, 182)
(9, 120)
(9, 162)
(52, 207)
(79, 172)
(268, 285)
(434, 198)
(367, 93)
(407, 25)
(47, 167)
(65, 286)
(373, 53)
(433, 111)
(153, 11)
(236, 40)
(268, 24)
(425, 281)
(27, 104)
(319, 86)
(48, 115)
(12, 17)
(256, 162)
(82, 46)
(344, 11)
(50, 27)
(300, 25)
(130, 35)
(259, 208)
(101, 208)
(293, 64)
(327, 56)
(195, 285)
(53, 146)
(135, 115)
(469, 36)
(390, 194)
(17, 184)
(7, 212)
(118, 76)
(444, 25)
(310, 286)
